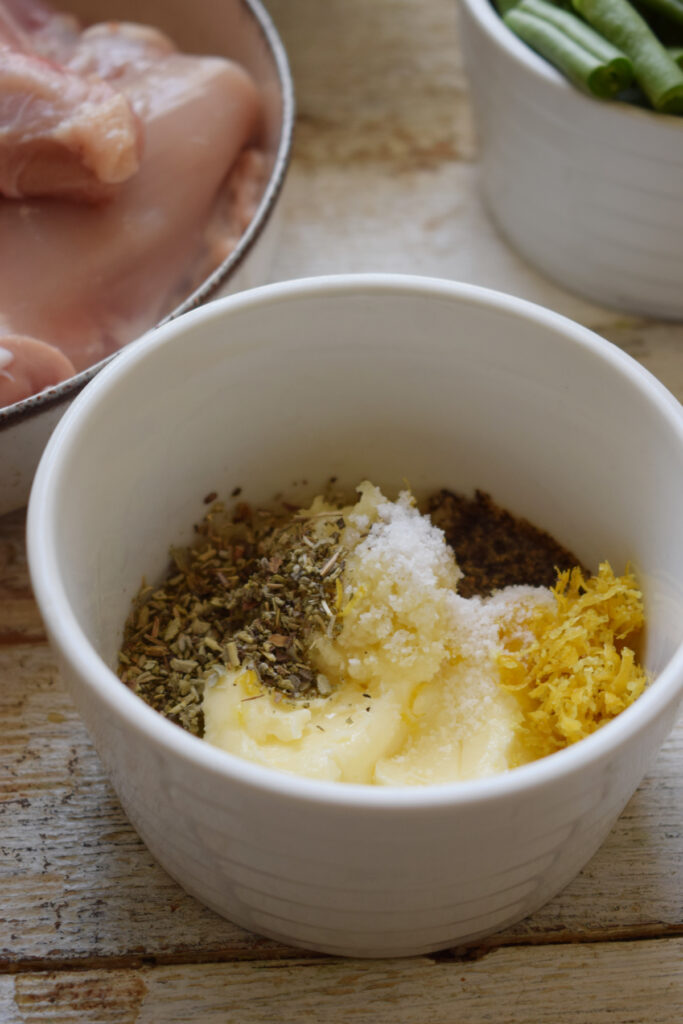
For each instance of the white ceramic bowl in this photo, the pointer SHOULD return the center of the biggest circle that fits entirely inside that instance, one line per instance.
(387, 378)
(240, 30)
(590, 192)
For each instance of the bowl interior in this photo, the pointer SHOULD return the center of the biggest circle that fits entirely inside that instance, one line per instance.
(276, 390)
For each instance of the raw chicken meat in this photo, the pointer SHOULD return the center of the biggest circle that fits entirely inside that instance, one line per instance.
(37, 27)
(233, 211)
(33, 20)
(27, 366)
(62, 133)
(118, 50)
(89, 278)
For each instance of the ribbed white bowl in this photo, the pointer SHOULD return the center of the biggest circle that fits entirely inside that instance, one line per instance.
(389, 378)
(590, 192)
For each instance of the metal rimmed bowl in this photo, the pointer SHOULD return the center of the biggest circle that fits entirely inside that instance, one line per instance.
(242, 31)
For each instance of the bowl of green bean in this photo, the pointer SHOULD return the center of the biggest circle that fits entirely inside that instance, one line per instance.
(579, 110)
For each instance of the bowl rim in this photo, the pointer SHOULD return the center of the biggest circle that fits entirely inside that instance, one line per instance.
(66, 390)
(76, 651)
(492, 25)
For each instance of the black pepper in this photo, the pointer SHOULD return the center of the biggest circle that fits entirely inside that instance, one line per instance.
(493, 548)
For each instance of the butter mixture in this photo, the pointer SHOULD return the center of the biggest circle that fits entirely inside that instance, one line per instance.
(413, 674)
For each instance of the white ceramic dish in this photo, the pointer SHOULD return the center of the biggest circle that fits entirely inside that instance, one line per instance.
(389, 378)
(590, 192)
(242, 31)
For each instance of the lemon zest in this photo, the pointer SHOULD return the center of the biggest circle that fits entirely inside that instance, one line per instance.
(577, 673)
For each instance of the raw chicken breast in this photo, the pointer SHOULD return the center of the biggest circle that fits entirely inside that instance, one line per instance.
(233, 211)
(62, 133)
(28, 366)
(38, 28)
(89, 278)
(118, 51)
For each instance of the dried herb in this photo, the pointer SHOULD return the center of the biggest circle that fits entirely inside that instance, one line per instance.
(251, 592)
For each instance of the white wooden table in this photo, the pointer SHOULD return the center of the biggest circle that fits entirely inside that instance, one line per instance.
(383, 178)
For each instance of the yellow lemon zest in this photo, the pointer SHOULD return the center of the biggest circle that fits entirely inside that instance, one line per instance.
(576, 674)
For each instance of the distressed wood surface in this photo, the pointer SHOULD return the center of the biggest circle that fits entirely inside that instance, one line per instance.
(91, 929)
(620, 982)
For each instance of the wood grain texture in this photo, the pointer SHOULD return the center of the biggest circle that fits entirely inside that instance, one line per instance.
(19, 618)
(621, 983)
(401, 103)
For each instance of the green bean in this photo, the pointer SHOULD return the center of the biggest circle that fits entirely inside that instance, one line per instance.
(578, 64)
(656, 72)
(577, 30)
(676, 53)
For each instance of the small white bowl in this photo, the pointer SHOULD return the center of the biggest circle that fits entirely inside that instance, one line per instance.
(242, 31)
(589, 191)
(387, 378)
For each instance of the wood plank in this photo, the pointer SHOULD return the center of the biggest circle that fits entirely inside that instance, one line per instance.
(19, 617)
(382, 176)
(13, 570)
(77, 882)
(400, 104)
(376, 218)
(614, 983)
